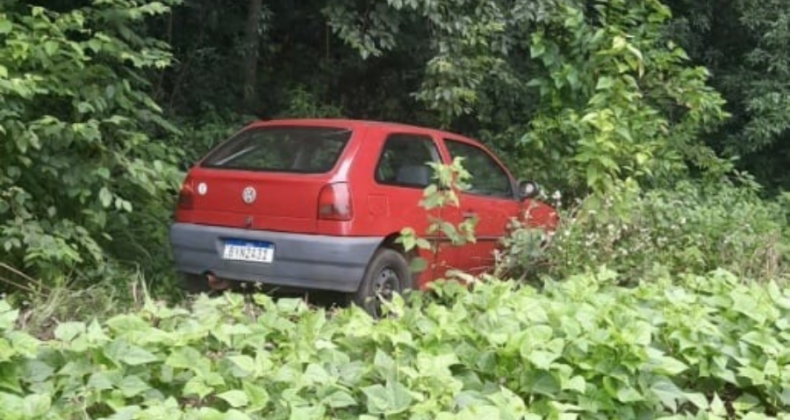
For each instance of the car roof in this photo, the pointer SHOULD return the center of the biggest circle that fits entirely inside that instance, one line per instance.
(353, 123)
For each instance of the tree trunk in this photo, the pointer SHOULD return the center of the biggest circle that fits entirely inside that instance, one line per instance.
(251, 46)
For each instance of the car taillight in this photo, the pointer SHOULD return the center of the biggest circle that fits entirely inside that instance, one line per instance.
(186, 197)
(334, 202)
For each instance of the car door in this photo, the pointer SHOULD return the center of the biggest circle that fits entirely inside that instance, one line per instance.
(401, 173)
(491, 198)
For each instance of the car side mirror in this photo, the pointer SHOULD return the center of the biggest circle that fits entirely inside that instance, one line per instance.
(528, 189)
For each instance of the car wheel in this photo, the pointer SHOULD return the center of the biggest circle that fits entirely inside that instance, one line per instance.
(387, 273)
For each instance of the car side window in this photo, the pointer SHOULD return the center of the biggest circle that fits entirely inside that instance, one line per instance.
(404, 160)
(488, 178)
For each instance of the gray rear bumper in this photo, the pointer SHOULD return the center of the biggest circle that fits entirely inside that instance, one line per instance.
(302, 261)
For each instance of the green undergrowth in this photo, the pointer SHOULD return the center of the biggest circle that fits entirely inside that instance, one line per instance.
(647, 234)
(710, 347)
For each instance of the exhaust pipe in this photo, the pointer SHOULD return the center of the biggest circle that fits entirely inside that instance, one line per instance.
(215, 283)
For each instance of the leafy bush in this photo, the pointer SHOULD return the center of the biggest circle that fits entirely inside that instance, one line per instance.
(618, 99)
(75, 147)
(689, 229)
(582, 348)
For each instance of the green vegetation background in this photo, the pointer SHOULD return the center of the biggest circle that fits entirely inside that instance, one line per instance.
(663, 126)
(105, 104)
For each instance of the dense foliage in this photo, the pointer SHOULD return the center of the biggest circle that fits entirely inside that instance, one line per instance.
(645, 236)
(613, 98)
(707, 348)
(744, 44)
(104, 101)
(663, 294)
(76, 127)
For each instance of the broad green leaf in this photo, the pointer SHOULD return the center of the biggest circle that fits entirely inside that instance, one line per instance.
(133, 355)
(542, 359)
(628, 395)
(106, 197)
(36, 405)
(245, 364)
(315, 374)
(391, 399)
(197, 386)
(235, 398)
(384, 364)
(604, 82)
(668, 393)
(258, 396)
(418, 265)
(132, 386)
(8, 316)
(100, 381)
(340, 399)
(184, 358)
(307, 413)
(67, 331)
(235, 415)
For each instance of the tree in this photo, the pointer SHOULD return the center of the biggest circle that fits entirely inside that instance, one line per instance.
(744, 44)
(615, 100)
(251, 47)
(75, 132)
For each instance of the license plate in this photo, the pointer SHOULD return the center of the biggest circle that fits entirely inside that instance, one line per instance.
(255, 251)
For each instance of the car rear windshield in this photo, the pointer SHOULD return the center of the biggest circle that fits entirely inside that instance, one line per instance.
(281, 149)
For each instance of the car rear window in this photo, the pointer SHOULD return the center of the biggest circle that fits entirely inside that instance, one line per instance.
(281, 149)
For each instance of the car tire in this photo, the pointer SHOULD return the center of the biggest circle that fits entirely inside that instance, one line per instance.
(387, 273)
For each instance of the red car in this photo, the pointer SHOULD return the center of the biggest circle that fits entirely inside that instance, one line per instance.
(319, 204)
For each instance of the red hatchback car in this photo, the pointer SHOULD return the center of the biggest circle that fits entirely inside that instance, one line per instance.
(318, 204)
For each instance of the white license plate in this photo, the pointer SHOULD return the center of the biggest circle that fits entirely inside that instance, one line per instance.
(255, 251)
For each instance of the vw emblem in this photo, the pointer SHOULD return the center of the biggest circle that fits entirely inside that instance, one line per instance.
(248, 195)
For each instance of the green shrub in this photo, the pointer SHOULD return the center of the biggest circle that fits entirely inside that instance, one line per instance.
(76, 152)
(641, 235)
(711, 347)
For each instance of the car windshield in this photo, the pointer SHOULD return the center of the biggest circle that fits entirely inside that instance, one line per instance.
(281, 149)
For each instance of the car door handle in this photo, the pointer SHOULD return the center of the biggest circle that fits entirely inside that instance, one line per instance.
(469, 214)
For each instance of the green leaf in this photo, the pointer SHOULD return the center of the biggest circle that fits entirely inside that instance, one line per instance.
(315, 374)
(5, 26)
(132, 386)
(105, 196)
(604, 82)
(134, 356)
(67, 331)
(418, 265)
(340, 399)
(665, 365)
(542, 359)
(197, 386)
(36, 405)
(8, 316)
(100, 381)
(235, 398)
(184, 358)
(628, 395)
(257, 395)
(577, 383)
(245, 364)
(392, 399)
(384, 364)
(668, 393)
